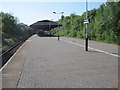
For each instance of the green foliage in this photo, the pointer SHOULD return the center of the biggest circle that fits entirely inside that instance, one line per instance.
(11, 30)
(104, 24)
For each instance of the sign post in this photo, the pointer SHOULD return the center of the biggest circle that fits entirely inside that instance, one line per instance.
(86, 21)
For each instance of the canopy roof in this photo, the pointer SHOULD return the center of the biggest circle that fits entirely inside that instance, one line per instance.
(44, 25)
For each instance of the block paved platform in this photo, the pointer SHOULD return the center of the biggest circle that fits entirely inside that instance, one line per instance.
(44, 62)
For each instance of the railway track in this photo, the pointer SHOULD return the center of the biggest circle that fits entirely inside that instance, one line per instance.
(5, 56)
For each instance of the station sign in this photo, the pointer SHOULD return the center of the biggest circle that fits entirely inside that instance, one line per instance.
(87, 21)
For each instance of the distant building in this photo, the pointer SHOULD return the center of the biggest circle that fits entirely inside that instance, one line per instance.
(44, 25)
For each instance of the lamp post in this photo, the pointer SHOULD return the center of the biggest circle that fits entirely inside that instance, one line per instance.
(58, 19)
(86, 37)
(50, 27)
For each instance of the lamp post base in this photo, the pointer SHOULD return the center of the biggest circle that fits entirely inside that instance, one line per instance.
(86, 44)
(58, 37)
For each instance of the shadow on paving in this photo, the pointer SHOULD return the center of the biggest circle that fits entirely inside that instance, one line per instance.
(93, 51)
(46, 35)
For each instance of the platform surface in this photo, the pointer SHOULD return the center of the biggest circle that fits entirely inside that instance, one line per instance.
(45, 62)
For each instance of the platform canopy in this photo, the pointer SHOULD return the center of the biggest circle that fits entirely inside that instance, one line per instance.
(45, 25)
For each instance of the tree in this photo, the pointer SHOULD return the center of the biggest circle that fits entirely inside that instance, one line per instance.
(11, 30)
(104, 24)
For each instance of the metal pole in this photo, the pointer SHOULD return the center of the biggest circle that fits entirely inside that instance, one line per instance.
(58, 28)
(58, 23)
(86, 42)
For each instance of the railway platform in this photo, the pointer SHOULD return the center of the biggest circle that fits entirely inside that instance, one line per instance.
(45, 62)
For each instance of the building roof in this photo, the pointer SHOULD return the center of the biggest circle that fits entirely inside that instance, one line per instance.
(44, 25)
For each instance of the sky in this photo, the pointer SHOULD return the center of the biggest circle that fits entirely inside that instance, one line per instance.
(31, 12)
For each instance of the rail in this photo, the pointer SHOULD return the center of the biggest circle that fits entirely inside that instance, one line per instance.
(4, 57)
